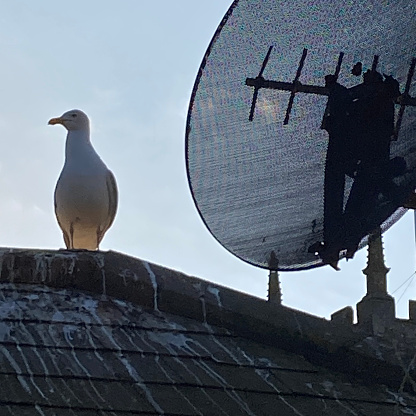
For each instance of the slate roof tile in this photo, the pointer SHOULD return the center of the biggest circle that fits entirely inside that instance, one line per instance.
(69, 350)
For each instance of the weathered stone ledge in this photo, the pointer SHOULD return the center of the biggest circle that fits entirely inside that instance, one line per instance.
(330, 343)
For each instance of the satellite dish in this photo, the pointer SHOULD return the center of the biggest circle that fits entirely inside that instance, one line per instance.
(301, 130)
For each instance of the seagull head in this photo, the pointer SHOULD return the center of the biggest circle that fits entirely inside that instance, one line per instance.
(72, 120)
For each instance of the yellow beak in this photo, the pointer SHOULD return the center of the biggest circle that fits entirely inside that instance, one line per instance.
(56, 120)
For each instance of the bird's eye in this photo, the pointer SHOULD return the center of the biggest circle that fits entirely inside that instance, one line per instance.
(74, 115)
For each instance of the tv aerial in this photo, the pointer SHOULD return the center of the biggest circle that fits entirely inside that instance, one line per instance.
(296, 86)
(301, 131)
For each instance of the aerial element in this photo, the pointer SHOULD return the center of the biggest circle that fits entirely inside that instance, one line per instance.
(86, 192)
(361, 125)
(301, 132)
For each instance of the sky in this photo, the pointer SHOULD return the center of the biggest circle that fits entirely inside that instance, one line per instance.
(131, 66)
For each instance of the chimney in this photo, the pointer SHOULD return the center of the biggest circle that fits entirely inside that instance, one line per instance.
(376, 311)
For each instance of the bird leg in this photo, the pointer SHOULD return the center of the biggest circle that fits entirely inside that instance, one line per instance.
(71, 236)
(99, 237)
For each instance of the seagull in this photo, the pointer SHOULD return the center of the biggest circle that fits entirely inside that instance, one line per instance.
(86, 193)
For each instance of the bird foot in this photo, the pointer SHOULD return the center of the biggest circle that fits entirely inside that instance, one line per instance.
(74, 249)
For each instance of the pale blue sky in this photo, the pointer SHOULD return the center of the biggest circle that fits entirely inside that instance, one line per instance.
(131, 65)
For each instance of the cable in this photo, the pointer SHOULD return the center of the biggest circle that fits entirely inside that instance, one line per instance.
(405, 290)
(410, 277)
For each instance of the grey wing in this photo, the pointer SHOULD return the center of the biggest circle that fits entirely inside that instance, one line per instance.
(112, 199)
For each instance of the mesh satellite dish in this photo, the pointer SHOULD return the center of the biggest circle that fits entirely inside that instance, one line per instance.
(301, 130)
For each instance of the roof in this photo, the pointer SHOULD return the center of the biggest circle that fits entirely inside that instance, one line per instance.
(106, 334)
